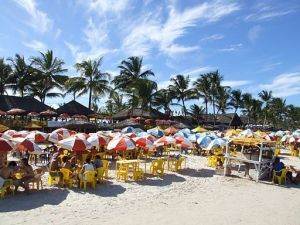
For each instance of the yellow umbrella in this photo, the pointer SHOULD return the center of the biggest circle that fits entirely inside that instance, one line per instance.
(3, 128)
(232, 132)
(199, 129)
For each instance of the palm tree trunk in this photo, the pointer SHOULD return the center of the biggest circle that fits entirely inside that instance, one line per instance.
(90, 98)
(214, 110)
(206, 107)
(184, 109)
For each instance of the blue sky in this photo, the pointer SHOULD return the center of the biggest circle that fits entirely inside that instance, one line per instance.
(254, 44)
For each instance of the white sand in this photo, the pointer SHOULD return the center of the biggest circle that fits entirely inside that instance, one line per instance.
(195, 196)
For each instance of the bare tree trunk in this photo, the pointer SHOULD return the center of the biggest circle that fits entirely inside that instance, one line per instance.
(90, 98)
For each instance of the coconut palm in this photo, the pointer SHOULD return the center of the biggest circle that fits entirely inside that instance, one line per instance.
(74, 85)
(146, 90)
(49, 72)
(278, 111)
(96, 82)
(222, 99)
(247, 100)
(196, 112)
(163, 100)
(5, 76)
(180, 90)
(202, 88)
(236, 100)
(266, 97)
(21, 75)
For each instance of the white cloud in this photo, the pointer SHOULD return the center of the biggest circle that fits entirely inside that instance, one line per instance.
(284, 85)
(254, 33)
(198, 70)
(236, 83)
(152, 32)
(36, 45)
(39, 20)
(106, 6)
(57, 33)
(213, 37)
(232, 48)
(96, 38)
(265, 12)
(270, 66)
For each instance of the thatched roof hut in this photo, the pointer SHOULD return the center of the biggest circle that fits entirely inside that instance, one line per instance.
(29, 104)
(73, 107)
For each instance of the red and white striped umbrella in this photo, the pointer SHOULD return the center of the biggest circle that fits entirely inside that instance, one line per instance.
(9, 134)
(183, 142)
(22, 133)
(121, 144)
(64, 132)
(131, 135)
(75, 144)
(37, 136)
(24, 144)
(82, 136)
(165, 140)
(55, 137)
(5, 145)
(143, 142)
(97, 140)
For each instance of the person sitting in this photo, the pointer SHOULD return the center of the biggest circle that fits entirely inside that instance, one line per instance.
(27, 173)
(97, 162)
(278, 166)
(87, 166)
(65, 163)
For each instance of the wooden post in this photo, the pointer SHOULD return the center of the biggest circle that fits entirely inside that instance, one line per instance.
(259, 161)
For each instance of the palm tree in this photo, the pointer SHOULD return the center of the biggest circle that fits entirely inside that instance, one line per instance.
(202, 89)
(49, 72)
(180, 90)
(236, 100)
(130, 73)
(96, 82)
(247, 100)
(21, 75)
(5, 76)
(222, 98)
(196, 112)
(146, 90)
(215, 80)
(74, 85)
(265, 96)
(278, 110)
(163, 99)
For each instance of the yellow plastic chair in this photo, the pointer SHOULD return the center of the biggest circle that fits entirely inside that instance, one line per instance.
(88, 177)
(138, 174)
(53, 180)
(105, 164)
(280, 179)
(122, 173)
(6, 188)
(157, 167)
(277, 151)
(294, 152)
(67, 177)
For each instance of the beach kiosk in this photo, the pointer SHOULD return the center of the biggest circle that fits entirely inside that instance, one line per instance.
(254, 152)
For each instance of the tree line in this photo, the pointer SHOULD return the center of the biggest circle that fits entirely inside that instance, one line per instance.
(134, 87)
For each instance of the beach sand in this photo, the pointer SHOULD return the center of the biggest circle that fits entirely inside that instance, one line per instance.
(193, 196)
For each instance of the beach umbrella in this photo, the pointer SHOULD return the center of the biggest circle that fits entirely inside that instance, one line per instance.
(127, 130)
(146, 135)
(82, 136)
(165, 140)
(2, 113)
(204, 141)
(23, 144)
(22, 133)
(143, 142)
(219, 142)
(64, 132)
(285, 138)
(199, 129)
(16, 111)
(121, 144)
(75, 144)
(48, 112)
(138, 130)
(64, 116)
(246, 133)
(156, 132)
(131, 135)
(32, 114)
(292, 140)
(185, 130)
(183, 142)
(171, 130)
(97, 140)
(5, 145)
(296, 133)
(280, 133)
(10, 134)
(37, 136)
(55, 137)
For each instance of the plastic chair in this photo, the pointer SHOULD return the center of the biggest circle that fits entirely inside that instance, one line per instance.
(6, 188)
(88, 177)
(157, 167)
(102, 172)
(138, 174)
(122, 172)
(53, 180)
(67, 177)
(280, 179)
(37, 180)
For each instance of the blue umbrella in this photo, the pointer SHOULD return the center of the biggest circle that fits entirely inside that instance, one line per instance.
(204, 141)
(138, 130)
(156, 132)
(127, 130)
(185, 130)
(217, 142)
(182, 134)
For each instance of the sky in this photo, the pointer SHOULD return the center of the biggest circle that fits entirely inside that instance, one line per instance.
(253, 44)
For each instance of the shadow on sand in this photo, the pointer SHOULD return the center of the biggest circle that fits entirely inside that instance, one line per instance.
(166, 180)
(197, 173)
(22, 201)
